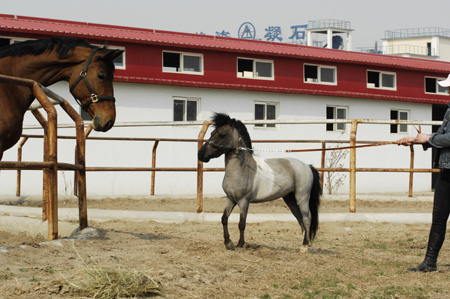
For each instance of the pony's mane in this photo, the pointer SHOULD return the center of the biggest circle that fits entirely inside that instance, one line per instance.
(36, 47)
(221, 119)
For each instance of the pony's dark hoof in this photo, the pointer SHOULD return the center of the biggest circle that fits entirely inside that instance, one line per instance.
(229, 245)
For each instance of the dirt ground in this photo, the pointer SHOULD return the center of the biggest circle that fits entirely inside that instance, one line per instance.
(189, 260)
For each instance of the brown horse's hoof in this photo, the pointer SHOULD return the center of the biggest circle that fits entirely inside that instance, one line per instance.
(229, 245)
(304, 249)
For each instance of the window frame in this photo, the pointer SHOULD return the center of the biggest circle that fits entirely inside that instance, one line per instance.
(265, 104)
(380, 80)
(182, 62)
(443, 93)
(399, 126)
(185, 101)
(335, 126)
(254, 73)
(319, 74)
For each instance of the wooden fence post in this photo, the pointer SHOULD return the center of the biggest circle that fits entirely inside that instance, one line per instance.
(155, 146)
(201, 135)
(353, 166)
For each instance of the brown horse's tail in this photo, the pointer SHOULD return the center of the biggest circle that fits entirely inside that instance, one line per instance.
(314, 203)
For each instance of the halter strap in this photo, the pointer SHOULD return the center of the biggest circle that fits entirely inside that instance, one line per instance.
(94, 97)
(229, 149)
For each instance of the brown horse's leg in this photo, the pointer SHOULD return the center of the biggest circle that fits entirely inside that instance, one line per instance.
(229, 206)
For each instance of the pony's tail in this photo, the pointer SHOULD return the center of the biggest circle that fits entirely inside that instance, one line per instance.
(314, 203)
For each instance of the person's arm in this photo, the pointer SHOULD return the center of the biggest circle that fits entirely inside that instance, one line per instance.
(439, 140)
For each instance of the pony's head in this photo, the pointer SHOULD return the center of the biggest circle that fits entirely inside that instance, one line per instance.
(91, 84)
(226, 137)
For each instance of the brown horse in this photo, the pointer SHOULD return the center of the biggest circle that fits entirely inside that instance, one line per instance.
(88, 69)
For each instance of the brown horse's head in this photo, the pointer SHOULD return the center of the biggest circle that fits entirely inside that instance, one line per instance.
(91, 83)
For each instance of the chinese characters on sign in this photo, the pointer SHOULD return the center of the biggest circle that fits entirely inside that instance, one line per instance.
(272, 33)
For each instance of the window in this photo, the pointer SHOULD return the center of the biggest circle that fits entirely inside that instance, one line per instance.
(185, 109)
(399, 115)
(336, 112)
(319, 74)
(174, 62)
(432, 86)
(4, 41)
(265, 111)
(381, 80)
(256, 69)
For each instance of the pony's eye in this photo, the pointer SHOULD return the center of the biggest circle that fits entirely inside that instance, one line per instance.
(101, 76)
(222, 135)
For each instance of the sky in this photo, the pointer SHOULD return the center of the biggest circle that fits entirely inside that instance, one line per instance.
(368, 19)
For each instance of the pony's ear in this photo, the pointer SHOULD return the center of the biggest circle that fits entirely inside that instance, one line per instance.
(232, 122)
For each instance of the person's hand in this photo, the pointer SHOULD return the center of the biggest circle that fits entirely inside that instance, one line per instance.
(422, 138)
(406, 141)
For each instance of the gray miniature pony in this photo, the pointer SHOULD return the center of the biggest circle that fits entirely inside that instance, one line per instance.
(251, 179)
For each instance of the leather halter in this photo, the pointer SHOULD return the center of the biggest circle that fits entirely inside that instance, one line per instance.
(94, 97)
(220, 147)
(228, 149)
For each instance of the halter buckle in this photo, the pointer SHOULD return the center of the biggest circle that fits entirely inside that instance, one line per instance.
(94, 98)
(83, 74)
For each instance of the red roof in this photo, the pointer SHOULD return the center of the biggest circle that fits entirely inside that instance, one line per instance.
(41, 26)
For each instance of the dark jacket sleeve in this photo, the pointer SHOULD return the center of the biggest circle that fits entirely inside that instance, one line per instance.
(439, 140)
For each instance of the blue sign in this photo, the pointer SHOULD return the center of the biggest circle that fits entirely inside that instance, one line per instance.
(298, 34)
(223, 33)
(273, 33)
(247, 31)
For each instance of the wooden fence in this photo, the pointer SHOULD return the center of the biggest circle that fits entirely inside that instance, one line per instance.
(352, 169)
(50, 165)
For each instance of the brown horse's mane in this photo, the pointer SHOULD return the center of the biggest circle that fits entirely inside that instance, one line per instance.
(36, 47)
(221, 119)
(62, 44)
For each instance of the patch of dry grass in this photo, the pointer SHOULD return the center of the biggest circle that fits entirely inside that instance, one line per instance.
(106, 283)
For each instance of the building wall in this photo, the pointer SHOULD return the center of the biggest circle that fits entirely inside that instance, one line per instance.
(413, 47)
(144, 65)
(146, 102)
(440, 44)
(444, 48)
